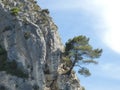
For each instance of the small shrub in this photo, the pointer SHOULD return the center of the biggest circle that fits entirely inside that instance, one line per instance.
(14, 11)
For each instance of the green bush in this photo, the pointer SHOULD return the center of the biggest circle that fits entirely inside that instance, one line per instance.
(14, 11)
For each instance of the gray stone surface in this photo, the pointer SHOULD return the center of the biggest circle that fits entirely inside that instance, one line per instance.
(32, 40)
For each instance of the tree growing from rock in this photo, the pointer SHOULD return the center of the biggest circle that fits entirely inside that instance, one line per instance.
(79, 52)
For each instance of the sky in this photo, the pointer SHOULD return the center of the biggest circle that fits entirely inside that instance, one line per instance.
(99, 20)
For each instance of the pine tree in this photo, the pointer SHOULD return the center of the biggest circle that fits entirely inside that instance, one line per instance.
(78, 51)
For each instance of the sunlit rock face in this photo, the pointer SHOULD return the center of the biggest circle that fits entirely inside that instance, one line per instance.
(32, 49)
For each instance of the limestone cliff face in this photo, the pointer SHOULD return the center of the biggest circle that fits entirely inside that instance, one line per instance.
(32, 45)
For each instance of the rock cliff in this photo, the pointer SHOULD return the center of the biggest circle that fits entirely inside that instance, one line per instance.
(30, 49)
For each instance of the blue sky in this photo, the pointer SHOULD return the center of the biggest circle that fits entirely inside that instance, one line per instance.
(99, 20)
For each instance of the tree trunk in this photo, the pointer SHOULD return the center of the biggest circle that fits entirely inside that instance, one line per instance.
(73, 64)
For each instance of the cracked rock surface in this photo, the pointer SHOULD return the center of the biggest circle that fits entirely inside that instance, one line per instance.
(31, 40)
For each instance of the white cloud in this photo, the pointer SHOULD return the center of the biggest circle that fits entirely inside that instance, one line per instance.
(111, 17)
(110, 14)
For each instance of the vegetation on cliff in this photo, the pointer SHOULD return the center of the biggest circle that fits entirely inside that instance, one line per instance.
(78, 52)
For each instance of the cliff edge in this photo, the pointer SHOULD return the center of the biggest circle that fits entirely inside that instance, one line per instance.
(30, 49)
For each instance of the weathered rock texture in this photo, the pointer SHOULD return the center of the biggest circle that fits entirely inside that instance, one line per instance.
(31, 39)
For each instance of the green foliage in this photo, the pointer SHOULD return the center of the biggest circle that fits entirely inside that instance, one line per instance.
(80, 42)
(67, 61)
(14, 11)
(84, 71)
(79, 51)
(10, 67)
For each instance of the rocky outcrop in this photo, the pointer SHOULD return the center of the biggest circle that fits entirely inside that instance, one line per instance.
(32, 49)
